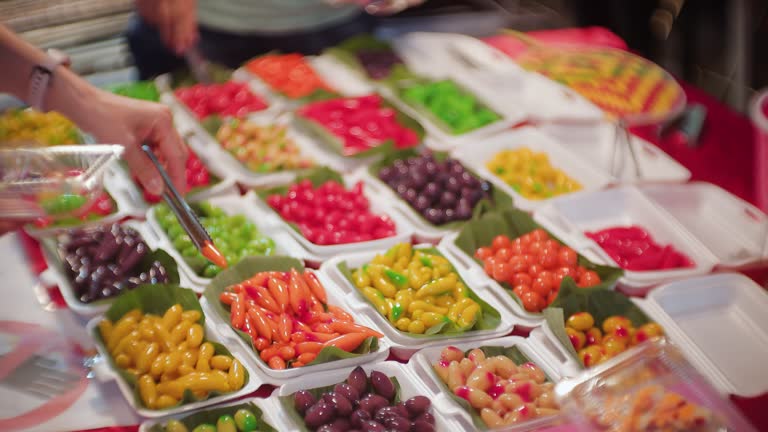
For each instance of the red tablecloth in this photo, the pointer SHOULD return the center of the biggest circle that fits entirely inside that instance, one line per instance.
(724, 157)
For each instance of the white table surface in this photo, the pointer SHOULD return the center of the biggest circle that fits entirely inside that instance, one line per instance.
(101, 405)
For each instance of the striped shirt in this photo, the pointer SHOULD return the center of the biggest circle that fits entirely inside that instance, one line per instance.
(270, 16)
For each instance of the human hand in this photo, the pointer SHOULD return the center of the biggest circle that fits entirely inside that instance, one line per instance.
(379, 7)
(115, 119)
(175, 20)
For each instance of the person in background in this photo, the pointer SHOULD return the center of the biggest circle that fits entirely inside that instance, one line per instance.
(43, 81)
(229, 32)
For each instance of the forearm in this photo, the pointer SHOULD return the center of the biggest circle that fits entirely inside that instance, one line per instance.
(67, 93)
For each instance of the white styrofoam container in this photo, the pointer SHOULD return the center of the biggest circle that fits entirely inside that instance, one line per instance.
(318, 253)
(476, 156)
(53, 275)
(569, 217)
(401, 343)
(410, 385)
(232, 205)
(279, 377)
(596, 143)
(734, 230)
(719, 322)
(476, 274)
(422, 230)
(423, 361)
(117, 185)
(270, 408)
(105, 373)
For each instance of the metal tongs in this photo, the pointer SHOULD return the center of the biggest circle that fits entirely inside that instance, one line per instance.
(198, 65)
(187, 218)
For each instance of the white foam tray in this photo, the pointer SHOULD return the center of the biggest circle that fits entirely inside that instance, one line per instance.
(318, 253)
(279, 377)
(117, 185)
(476, 156)
(105, 373)
(569, 217)
(595, 143)
(734, 230)
(532, 347)
(232, 205)
(270, 408)
(411, 385)
(53, 275)
(720, 323)
(402, 344)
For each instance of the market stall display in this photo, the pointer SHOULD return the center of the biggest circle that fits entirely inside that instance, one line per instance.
(330, 339)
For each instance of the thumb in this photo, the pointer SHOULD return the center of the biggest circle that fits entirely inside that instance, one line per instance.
(144, 170)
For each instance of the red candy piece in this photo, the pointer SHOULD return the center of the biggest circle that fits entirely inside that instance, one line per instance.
(331, 214)
(633, 248)
(197, 176)
(361, 123)
(230, 99)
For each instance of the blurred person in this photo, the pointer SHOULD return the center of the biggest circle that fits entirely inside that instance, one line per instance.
(230, 32)
(43, 81)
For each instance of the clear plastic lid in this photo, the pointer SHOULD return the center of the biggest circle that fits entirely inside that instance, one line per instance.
(648, 388)
(55, 182)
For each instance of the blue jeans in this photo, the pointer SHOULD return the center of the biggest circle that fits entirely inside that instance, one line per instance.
(152, 58)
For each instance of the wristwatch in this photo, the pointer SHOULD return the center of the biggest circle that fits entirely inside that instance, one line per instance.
(42, 76)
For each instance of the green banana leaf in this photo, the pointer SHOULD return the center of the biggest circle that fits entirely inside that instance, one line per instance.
(346, 52)
(54, 248)
(156, 299)
(600, 303)
(514, 223)
(145, 90)
(511, 352)
(248, 267)
(488, 319)
(398, 82)
(499, 198)
(211, 416)
(183, 77)
(335, 143)
(289, 407)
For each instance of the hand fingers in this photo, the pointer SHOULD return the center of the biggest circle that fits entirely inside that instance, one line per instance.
(142, 168)
(172, 149)
(165, 23)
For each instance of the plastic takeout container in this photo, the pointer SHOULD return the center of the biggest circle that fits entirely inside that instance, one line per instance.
(317, 253)
(570, 217)
(719, 323)
(410, 385)
(33, 180)
(56, 273)
(403, 344)
(532, 347)
(104, 372)
(477, 155)
(232, 205)
(622, 393)
(735, 231)
(279, 377)
(270, 413)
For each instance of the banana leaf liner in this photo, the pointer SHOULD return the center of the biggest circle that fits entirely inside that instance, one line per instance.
(211, 416)
(156, 299)
(498, 198)
(600, 303)
(488, 318)
(248, 267)
(514, 223)
(346, 53)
